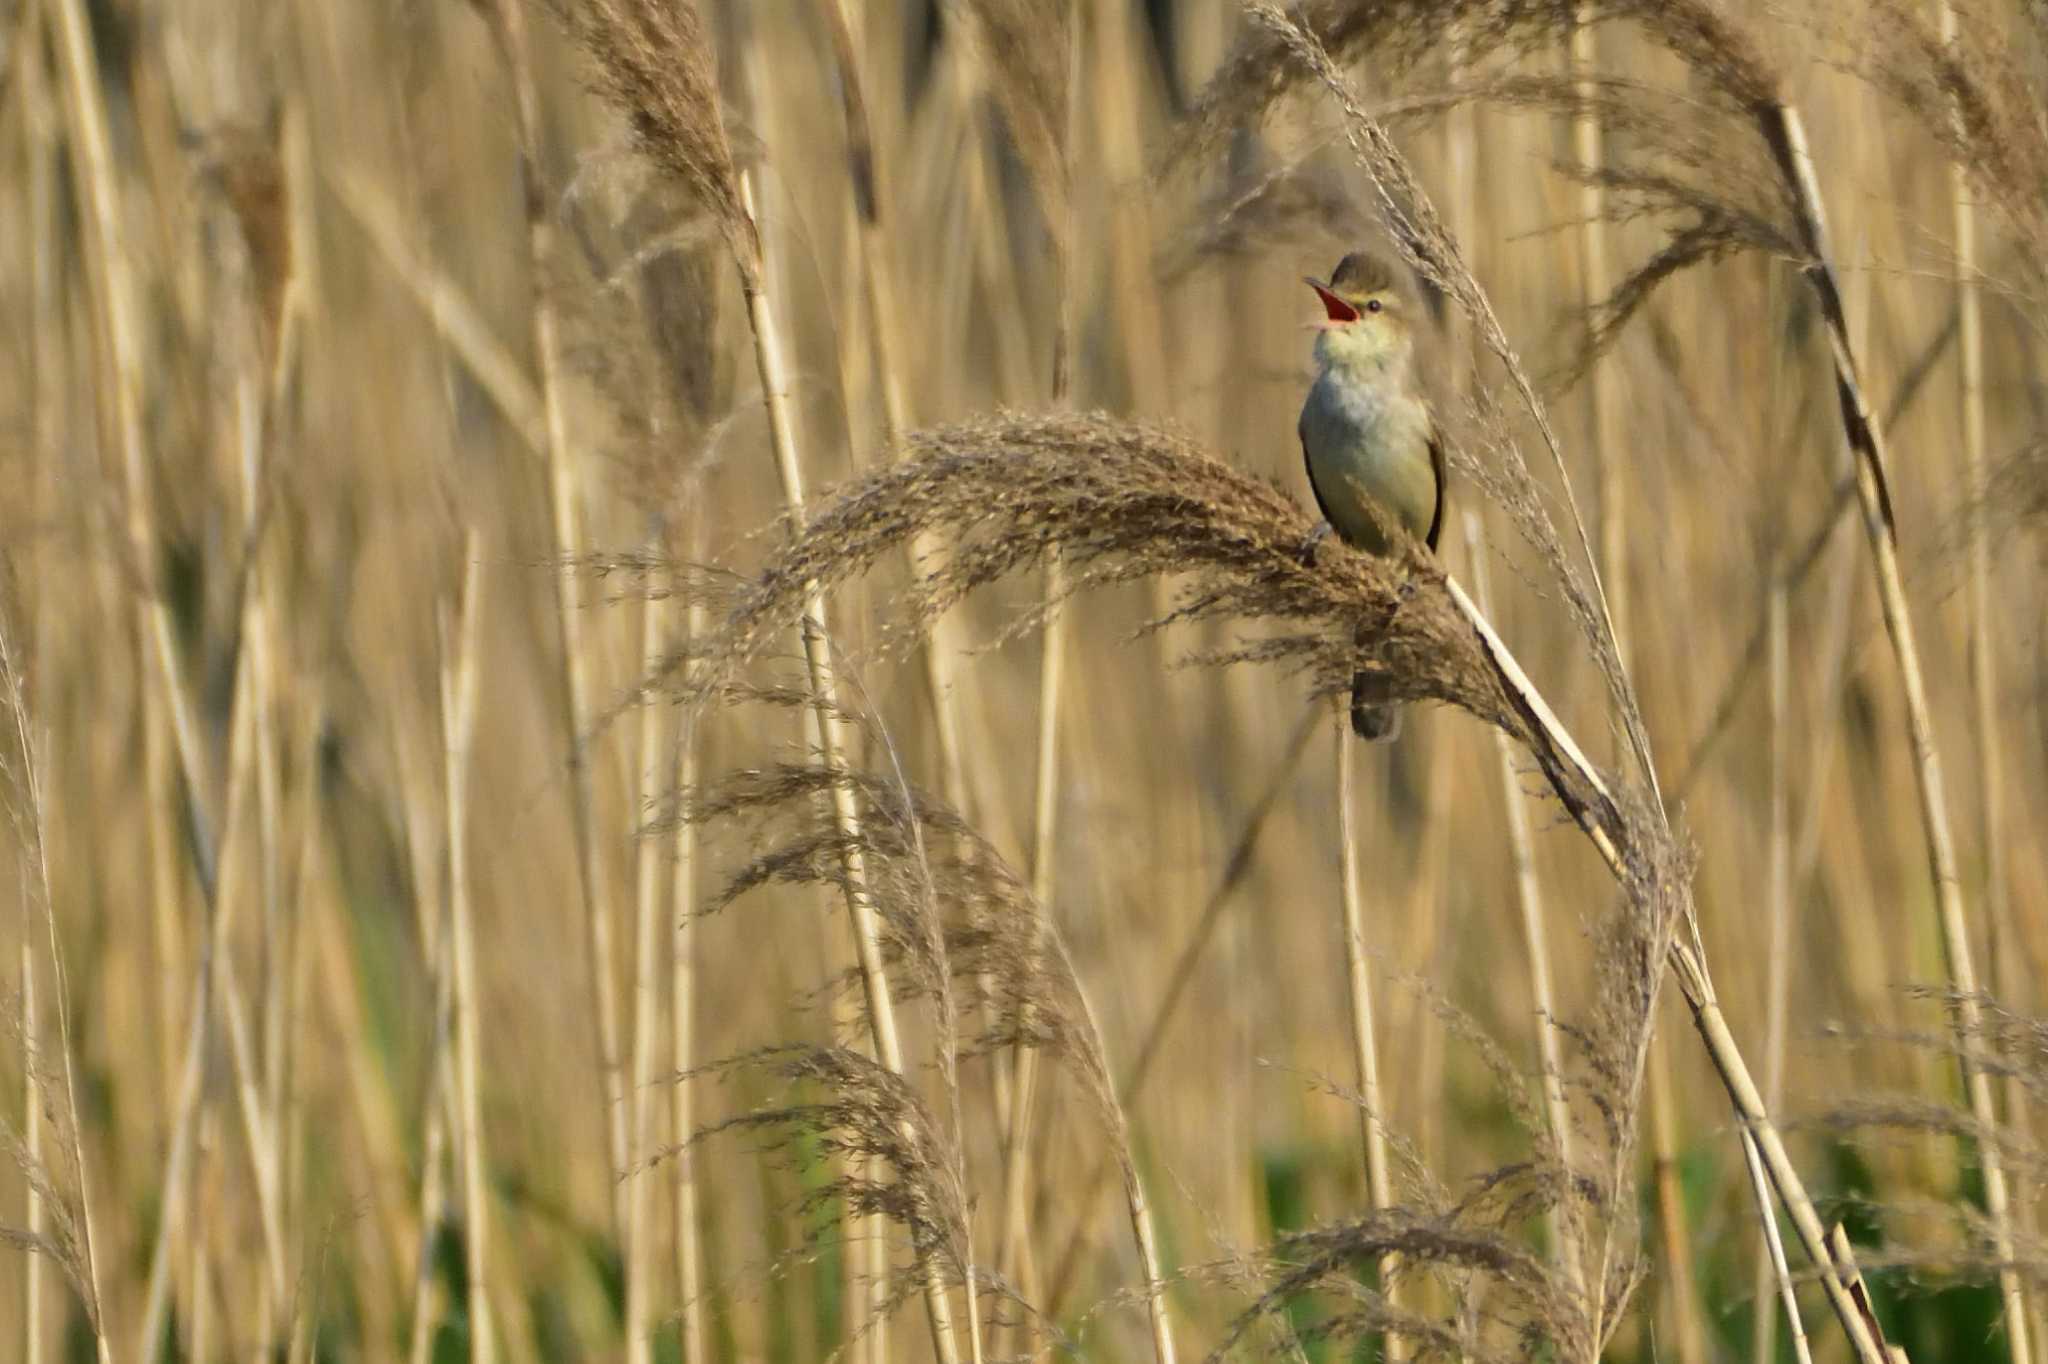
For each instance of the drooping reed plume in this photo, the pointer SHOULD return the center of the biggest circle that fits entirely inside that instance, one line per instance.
(954, 917)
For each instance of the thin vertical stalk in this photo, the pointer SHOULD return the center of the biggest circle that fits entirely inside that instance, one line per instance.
(212, 983)
(111, 273)
(861, 912)
(252, 387)
(566, 523)
(1778, 915)
(682, 1011)
(1589, 150)
(1014, 1253)
(458, 729)
(439, 1098)
(1785, 135)
(1772, 1269)
(1983, 669)
(1358, 981)
(32, 1140)
(655, 763)
(40, 133)
(1529, 896)
(1595, 277)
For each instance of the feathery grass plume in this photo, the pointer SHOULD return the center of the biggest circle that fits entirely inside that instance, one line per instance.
(1293, 203)
(1122, 501)
(66, 1240)
(885, 1154)
(954, 914)
(653, 62)
(2015, 494)
(1975, 96)
(1506, 1299)
(1025, 49)
(1929, 1244)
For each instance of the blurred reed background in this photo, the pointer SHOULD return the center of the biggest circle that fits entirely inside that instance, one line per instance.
(453, 895)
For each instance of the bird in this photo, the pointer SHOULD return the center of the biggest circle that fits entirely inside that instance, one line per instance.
(1375, 459)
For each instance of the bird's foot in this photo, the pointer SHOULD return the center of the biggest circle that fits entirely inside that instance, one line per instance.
(1314, 538)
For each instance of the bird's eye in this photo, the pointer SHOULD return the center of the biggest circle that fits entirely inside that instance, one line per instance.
(1372, 305)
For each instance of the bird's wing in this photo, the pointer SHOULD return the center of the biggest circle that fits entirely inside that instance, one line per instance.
(1301, 431)
(1437, 467)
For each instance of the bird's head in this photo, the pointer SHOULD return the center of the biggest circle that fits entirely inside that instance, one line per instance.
(1368, 313)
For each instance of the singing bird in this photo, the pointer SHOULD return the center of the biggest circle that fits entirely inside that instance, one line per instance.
(1374, 458)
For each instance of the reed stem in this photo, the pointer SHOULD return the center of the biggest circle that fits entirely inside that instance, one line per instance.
(1529, 897)
(566, 524)
(458, 732)
(1365, 1054)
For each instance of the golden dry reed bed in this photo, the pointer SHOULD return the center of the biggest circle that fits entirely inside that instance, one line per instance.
(672, 695)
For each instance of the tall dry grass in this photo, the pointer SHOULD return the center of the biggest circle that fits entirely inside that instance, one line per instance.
(829, 471)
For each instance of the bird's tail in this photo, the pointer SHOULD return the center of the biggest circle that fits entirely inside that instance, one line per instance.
(1372, 718)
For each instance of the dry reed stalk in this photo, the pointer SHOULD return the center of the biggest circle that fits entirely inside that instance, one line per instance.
(111, 273)
(1785, 135)
(1120, 71)
(1529, 896)
(656, 760)
(942, 649)
(1773, 1270)
(1778, 935)
(565, 506)
(177, 1165)
(256, 193)
(40, 133)
(986, 215)
(458, 680)
(682, 1005)
(1983, 668)
(455, 319)
(32, 1141)
(1036, 83)
(1372, 1113)
(440, 1104)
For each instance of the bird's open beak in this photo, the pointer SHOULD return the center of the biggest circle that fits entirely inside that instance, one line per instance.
(1339, 310)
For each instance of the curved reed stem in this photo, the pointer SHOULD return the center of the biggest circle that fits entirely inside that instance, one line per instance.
(1784, 133)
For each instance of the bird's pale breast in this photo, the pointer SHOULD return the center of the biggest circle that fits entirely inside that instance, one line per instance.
(1368, 441)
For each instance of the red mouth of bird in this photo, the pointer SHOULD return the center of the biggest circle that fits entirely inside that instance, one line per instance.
(1339, 310)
